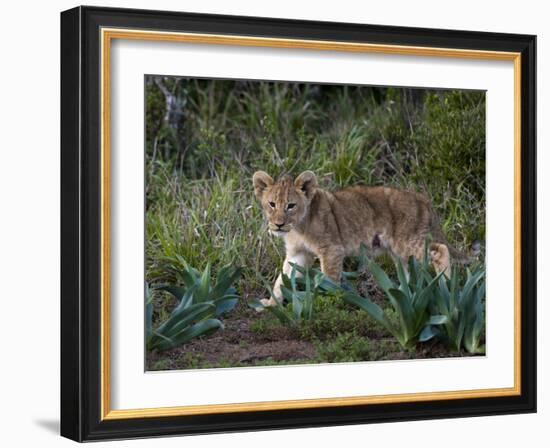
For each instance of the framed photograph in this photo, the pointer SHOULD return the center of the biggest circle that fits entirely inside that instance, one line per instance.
(276, 224)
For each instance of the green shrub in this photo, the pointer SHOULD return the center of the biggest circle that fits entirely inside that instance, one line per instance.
(410, 298)
(199, 304)
(462, 303)
(426, 305)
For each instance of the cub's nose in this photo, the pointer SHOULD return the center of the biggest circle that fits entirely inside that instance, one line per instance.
(280, 225)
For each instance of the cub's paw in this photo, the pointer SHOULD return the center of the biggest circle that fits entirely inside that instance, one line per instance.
(268, 302)
(260, 305)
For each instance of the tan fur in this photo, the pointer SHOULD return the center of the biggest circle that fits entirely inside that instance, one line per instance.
(331, 226)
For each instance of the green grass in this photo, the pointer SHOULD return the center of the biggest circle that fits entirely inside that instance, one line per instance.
(200, 205)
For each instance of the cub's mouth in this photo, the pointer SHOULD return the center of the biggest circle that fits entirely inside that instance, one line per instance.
(279, 231)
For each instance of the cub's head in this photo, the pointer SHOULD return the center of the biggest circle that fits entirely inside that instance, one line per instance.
(286, 201)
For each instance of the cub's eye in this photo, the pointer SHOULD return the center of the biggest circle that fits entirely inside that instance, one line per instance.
(272, 204)
(290, 206)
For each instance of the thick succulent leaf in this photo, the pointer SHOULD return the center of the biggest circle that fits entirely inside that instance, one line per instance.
(307, 282)
(437, 319)
(301, 270)
(203, 290)
(467, 292)
(286, 280)
(427, 333)
(199, 329)
(279, 311)
(187, 299)
(256, 304)
(289, 294)
(413, 273)
(188, 316)
(293, 295)
(381, 277)
(422, 298)
(474, 328)
(189, 277)
(225, 305)
(318, 280)
(177, 291)
(268, 287)
(324, 283)
(179, 326)
(443, 296)
(327, 284)
(191, 270)
(372, 309)
(293, 278)
(283, 314)
(453, 303)
(405, 310)
(481, 293)
(471, 343)
(386, 284)
(297, 306)
(460, 331)
(155, 339)
(183, 313)
(148, 312)
(403, 277)
(228, 296)
(226, 277)
(421, 303)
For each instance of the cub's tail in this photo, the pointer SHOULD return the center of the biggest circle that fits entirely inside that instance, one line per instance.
(464, 258)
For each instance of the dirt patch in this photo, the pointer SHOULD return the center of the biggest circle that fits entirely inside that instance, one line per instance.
(239, 344)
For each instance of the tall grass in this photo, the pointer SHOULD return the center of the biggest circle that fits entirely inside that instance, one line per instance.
(201, 157)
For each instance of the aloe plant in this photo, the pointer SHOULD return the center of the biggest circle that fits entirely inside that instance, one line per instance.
(463, 305)
(199, 304)
(410, 297)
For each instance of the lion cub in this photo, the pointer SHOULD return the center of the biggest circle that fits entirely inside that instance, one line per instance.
(330, 226)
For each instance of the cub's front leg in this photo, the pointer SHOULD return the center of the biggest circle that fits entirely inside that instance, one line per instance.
(332, 260)
(301, 258)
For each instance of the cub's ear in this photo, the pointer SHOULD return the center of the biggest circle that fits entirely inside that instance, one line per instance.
(307, 182)
(261, 181)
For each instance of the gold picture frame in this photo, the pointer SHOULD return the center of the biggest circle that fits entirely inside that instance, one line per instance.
(122, 25)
